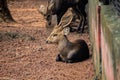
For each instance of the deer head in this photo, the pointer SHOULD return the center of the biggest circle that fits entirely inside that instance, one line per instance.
(47, 11)
(62, 28)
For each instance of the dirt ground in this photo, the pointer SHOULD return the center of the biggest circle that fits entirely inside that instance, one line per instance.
(24, 55)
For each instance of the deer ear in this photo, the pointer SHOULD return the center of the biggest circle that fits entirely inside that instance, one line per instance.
(66, 31)
(42, 9)
(66, 18)
(50, 5)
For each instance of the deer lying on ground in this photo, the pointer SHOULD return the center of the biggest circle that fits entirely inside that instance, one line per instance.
(69, 51)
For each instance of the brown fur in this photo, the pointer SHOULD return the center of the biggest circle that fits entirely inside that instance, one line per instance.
(72, 51)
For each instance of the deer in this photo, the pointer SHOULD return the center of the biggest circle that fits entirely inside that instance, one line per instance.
(59, 7)
(69, 52)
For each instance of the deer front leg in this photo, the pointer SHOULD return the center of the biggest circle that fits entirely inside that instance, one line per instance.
(58, 58)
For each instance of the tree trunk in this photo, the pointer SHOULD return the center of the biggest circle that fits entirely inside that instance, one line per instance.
(4, 12)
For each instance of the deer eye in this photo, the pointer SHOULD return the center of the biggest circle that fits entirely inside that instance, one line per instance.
(48, 17)
(54, 35)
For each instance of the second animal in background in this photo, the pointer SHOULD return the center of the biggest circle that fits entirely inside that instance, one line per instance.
(59, 7)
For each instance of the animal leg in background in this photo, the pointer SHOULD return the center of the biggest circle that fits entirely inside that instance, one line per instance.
(80, 26)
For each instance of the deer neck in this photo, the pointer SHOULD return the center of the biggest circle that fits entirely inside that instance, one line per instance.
(63, 42)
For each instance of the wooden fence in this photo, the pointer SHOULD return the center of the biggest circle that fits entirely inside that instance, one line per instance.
(104, 26)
